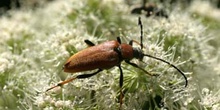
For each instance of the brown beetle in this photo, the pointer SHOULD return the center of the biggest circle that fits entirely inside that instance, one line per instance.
(107, 55)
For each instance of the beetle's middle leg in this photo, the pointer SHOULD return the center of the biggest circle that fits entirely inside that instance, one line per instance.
(89, 43)
(121, 85)
(77, 77)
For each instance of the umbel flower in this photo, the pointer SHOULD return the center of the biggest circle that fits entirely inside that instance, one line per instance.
(36, 43)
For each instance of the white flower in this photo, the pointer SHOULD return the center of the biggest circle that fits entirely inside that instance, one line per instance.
(210, 99)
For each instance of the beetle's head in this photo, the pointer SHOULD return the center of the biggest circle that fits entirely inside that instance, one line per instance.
(138, 53)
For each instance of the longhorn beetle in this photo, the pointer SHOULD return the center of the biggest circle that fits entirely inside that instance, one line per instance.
(107, 55)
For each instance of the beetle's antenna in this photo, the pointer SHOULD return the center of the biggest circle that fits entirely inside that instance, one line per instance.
(170, 65)
(141, 27)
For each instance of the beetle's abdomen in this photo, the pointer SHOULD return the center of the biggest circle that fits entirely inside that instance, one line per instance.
(102, 56)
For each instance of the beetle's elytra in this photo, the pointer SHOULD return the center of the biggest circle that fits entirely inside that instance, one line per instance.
(107, 55)
(102, 56)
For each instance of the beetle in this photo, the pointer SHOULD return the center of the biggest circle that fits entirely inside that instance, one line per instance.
(107, 55)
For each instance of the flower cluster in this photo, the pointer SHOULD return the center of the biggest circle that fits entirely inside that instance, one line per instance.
(36, 43)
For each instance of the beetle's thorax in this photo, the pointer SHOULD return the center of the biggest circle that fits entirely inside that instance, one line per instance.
(126, 51)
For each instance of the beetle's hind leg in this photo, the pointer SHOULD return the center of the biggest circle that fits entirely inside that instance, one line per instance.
(89, 43)
(77, 77)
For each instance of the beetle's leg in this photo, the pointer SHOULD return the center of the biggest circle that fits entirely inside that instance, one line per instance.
(119, 40)
(120, 85)
(131, 42)
(136, 66)
(89, 43)
(88, 75)
(77, 77)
